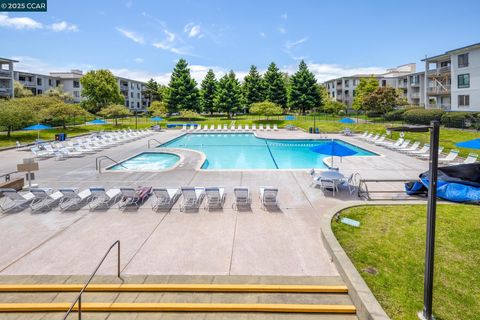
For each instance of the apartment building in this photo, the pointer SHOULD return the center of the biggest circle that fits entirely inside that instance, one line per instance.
(132, 90)
(453, 79)
(6, 77)
(343, 89)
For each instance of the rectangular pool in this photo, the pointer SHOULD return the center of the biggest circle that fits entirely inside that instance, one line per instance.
(246, 151)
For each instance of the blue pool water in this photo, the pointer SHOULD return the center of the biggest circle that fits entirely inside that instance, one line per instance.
(148, 161)
(245, 151)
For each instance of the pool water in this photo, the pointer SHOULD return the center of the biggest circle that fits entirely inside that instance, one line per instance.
(148, 161)
(246, 151)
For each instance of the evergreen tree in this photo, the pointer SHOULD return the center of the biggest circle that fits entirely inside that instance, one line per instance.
(182, 93)
(253, 87)
(208, 91)
(229, 96)
(304, 92)
(152, 91)
(276, 90)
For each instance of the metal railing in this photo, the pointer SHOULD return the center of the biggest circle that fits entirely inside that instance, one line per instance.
(439, 89)
(7, 175)
(98, 162)
(79, 296)
(364, 192)
(152, 140)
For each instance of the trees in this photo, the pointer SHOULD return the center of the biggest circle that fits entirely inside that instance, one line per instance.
(382, 100)
(229, 96)
(332, 106)
(114, 111)
(19, 91)
(364, 88)
(13, 115)
(158, 109)
(100, 88)
(208, 91)
(152, 91)
(275, 89)
(265, 108)
(59, 93)
(304, 92)
(253, 87)
(182, 93)
(58, 110)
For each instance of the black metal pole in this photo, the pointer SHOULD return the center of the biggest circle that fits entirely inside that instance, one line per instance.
(431, 220)
(136, 123)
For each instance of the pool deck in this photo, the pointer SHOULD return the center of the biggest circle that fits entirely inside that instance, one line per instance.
(285, 242)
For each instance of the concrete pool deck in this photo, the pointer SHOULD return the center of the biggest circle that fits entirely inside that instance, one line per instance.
(283, 242)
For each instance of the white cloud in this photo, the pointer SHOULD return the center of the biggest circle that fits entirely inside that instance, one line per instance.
(263, 34)
(129, 4)
(171, 43)
(293, 44)
(131, 35)
(284, 16)
(19, 23)
(193, 30)
(63, 26)
(138, 60)
(290, 47)
(34, 65)
(282, 30)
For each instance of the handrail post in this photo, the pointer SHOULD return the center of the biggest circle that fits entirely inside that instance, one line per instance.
(118, 255)
(80, 307)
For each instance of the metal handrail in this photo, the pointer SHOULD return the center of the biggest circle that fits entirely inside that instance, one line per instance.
(153, 139)
(79, 297)
(363, 191)
(7, 175)
(98, 162)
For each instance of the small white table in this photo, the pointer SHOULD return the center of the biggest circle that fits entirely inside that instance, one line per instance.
(335, 176)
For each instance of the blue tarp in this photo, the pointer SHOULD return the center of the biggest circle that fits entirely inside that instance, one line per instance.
(458, 183)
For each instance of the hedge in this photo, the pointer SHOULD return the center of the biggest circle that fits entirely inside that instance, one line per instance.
(460, 119)
(394, 115)
(422, 116)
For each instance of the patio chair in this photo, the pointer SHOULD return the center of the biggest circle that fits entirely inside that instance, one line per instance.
(239, 128)
(374, 138)
(102, 198)
(212, 127)
(367, 137)
(71, 154)
(349, 184)
(225, 128)
(386, 143)
(72, 198)
(13, 200)
(327, 184)
(260, 127)
(413, 147)
(215, 197)
(133, 197)
(401, 146)
(472, 158)
(165, 198)
(268, 197)
(18, 145)
(275, 127)
(241, 197)
(232, 127)
(449, 158)
(426, 154)
(247, 127)
(44, 198)
(219, 127)
(363, 135)
(424, 151)
(184, 127)
(268, 128)
(254, 127)
(192, 198)
(205, 127)
(41, 154)
(379, 139)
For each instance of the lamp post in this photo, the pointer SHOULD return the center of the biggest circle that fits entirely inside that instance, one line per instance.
(434, 128)
(136, 122)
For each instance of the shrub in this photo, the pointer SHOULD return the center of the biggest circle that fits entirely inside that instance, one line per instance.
(394, 115)
(423, 116)
(188, 115)
(459, 119)
(265, 108)
(373, 114)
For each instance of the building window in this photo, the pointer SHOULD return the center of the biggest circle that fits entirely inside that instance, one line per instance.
(39, 91)
(131, 94)
(138, 105)
(463, 60)
(58, 83)
(464, 80)
(76, 84)
(21, 78)
(39, 81)
(138, 95)
(346, 83)
(76, 94)
(131, 104)
(50, 82)
(384, 83)
(464, 100)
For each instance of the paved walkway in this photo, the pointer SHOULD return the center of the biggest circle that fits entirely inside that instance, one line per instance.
(257, 242)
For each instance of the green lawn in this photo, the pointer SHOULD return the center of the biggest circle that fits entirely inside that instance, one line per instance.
(325, 123)
(388, 250)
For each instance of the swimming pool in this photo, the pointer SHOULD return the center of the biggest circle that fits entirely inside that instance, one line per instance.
(147, 161)
(246, 151)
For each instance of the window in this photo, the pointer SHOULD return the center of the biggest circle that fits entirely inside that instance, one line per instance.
(50, 82)
(131, 94)
(76, 84)
(444, 64)
(57, 83)
(464, 80)
(346, 83)
(353, 93)
(463, 60)
(131, 104)
(138, 95)
(39, 91)
(39, 81)
(464, 100)
(21, 78)
(76, 94)
(138, 105)
(384, 83)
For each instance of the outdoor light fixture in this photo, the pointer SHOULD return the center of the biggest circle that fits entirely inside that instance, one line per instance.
(434, 129)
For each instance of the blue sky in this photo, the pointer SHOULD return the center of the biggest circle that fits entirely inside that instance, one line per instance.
(143, 39)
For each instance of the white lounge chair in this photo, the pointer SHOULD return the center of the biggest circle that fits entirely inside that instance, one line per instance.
(225, 128)
(219, 127)
(379, 139)
(242, 197)
(41, 154)
(205, 127)
(212, 127)
(71, 154)
(449, 158)
(102, 198)
(247, 127)
(232, 127)
(275, 127)
(254, 127)
(13, 200)
(260, 127)
(18, 145)
(72, 198)
(215, 197)
(44, 198)
(192, 198)
(367, 137)
(198, 128)
(268, 127)
(184, 127)
(363, 135)
(268, 197)
(472, 158)
(403, 145)
(133, 197)
(239, 128)
(426, 154)
(411, 148)
(165, 198)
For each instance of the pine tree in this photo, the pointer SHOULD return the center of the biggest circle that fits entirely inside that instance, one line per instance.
(253, 87)
(276, 90)
(208, 91)
(182, 93)
(304, 92)
(229, 95)
(151, 91)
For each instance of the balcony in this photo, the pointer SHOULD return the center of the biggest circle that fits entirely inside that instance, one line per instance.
(445, 107)
(415, 95)
(28, 83)
(439, 90)
(439, 71)
(414, 84)
(5, 73)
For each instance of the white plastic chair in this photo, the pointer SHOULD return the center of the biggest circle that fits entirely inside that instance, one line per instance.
(268, 197)
(215, 197)
(165, 198)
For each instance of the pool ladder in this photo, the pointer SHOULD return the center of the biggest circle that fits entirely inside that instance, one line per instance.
(149, 140)
(98, 162)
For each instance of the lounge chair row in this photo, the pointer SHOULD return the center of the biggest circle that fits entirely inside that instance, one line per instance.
(414, 149)
(224, 127)
(81, 146)
(44, 199)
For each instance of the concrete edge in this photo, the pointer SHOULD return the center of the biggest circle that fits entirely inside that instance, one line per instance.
(368, 308)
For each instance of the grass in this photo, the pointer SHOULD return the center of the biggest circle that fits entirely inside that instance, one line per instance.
(325, 123)
(388, 250)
